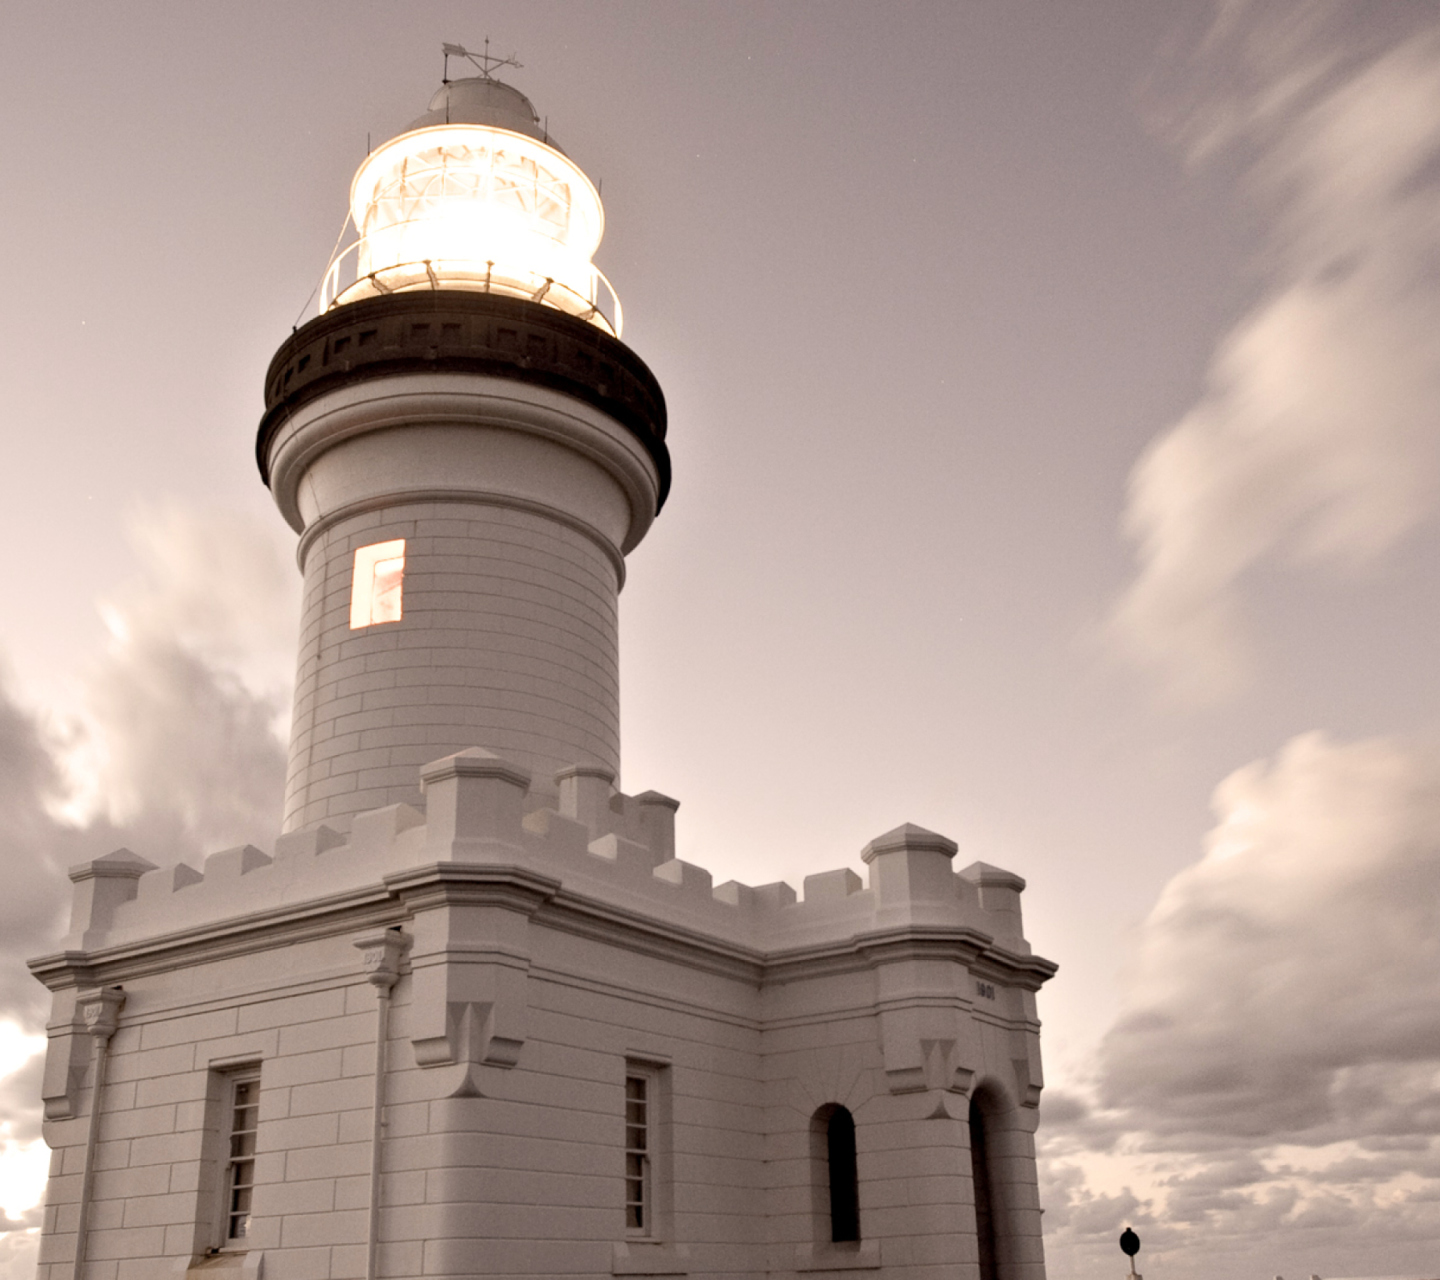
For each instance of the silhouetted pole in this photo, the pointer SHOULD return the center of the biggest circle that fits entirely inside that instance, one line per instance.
(1130, 1246)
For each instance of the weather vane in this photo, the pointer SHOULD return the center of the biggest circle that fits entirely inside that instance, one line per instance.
(485, 61)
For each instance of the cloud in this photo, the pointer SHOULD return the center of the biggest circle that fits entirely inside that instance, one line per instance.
(1269, 1098)
(1316, 439)
(24, 1158)
(1273, 1080)
(36, 850)
(1287, 985)
(175, 749)
(180, 729)
(19, 1255)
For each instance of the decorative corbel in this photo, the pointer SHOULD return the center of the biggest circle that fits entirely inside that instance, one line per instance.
(100, 1012)
(380, 956)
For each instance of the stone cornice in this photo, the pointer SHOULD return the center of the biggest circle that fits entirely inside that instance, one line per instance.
(588, 917)
(371, 907)
(972, 947)
(437, 884)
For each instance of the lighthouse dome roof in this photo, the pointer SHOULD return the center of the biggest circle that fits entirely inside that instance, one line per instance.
(480, 100)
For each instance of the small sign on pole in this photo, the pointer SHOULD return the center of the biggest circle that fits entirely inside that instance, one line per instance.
(1130, 1246)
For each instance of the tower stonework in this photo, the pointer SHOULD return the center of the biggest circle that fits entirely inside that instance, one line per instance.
(470, 1016)
(519, 453)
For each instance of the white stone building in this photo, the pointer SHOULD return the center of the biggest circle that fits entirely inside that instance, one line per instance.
(470, 1016)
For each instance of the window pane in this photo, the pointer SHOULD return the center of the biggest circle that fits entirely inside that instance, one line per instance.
(637, 1162)
(376, 588)
(388, 577)
(244, 1117)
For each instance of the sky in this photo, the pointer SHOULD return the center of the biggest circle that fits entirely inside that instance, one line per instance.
(1052, 395)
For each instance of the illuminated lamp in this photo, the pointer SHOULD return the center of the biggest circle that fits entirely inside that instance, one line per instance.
(475, 195)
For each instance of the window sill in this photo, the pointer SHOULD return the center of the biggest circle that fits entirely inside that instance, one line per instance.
(862, 1256)
(649, 1258)
(225, 1265)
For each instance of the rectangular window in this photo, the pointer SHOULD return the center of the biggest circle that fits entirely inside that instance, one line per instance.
(648, 1210)
(376, 589)
(639, 1193)
(243, 1113)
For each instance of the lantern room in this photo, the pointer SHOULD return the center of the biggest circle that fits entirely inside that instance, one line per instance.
(475, 195)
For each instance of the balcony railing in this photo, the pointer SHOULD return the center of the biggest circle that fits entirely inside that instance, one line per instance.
(597, 303)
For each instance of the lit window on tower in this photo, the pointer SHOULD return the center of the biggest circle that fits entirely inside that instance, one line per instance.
(379, 576)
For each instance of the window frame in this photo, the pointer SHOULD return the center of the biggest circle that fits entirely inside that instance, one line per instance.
(639, 1160)
(364, 594)
(655, 1217)
(234, 1081)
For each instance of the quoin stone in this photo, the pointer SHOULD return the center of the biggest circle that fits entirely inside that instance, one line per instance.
(469, 1015)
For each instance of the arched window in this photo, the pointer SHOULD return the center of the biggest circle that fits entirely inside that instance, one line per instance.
(837, 1175)
(984, 1193)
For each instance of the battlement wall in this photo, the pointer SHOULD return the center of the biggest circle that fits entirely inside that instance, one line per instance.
(597, 843)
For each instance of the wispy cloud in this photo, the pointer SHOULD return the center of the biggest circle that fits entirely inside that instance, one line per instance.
(1268, 1097)
(1317, 438)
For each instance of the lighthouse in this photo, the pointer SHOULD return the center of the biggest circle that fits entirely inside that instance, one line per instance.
(470, 1015)
(467, 451)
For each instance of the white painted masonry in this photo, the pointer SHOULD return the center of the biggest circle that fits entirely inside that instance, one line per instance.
(517, 505)
(448, 963)
(540, 954)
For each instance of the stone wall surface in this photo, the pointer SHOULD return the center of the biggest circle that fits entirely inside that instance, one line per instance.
(510, 635)
(517, 504)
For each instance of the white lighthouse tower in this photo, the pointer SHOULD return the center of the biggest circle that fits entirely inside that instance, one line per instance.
(469, 1015)
(468, 452)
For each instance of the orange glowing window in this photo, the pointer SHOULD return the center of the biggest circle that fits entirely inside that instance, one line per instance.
(379, 576)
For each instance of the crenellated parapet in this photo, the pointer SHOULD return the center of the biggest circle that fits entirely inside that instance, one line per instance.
(600, 846)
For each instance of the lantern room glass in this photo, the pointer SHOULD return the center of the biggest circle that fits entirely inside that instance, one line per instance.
(463, 206)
